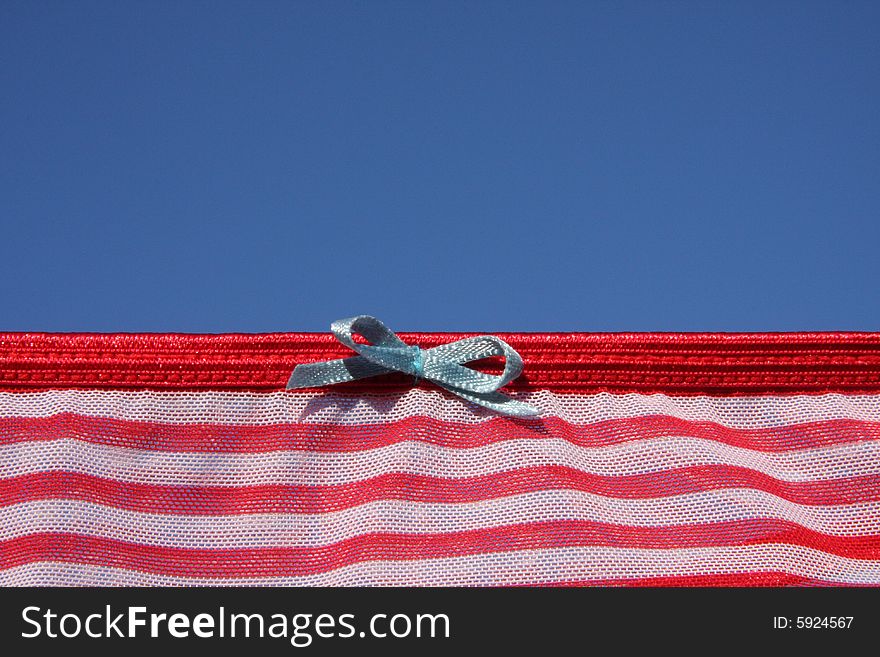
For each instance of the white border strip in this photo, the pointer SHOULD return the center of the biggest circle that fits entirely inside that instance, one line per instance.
(270, 530)
(321, 407)
(419, 458)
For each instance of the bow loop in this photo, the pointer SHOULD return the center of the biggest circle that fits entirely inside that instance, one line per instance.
(385, 348)
(456, 354)
(444, 364)
(369, 328)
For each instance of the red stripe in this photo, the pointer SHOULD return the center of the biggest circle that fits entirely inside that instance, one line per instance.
(279, 562)
(675, 363)
(245, 439)
(222, 500)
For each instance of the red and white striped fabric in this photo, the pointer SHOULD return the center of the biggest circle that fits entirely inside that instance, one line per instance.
(658, 459)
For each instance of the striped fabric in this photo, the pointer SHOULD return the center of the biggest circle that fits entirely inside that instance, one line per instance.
(687, 459)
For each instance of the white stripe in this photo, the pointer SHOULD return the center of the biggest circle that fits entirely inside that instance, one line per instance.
(329, 468)
(544, 566)
(246, 408)
(401, 517)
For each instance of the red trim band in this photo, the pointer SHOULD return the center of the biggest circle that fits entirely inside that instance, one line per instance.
(675, 363)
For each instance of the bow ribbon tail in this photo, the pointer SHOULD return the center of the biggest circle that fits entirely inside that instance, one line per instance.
(316, 375)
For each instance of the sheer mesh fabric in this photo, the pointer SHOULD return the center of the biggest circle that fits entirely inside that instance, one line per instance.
(122, 487)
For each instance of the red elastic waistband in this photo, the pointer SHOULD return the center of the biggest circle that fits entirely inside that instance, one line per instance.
(675, 363)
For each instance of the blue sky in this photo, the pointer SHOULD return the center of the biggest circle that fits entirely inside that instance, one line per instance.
(516, 166)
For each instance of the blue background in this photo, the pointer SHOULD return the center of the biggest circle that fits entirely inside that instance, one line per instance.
(235, 166)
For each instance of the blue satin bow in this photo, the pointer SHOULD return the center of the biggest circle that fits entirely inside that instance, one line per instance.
(442, 364)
